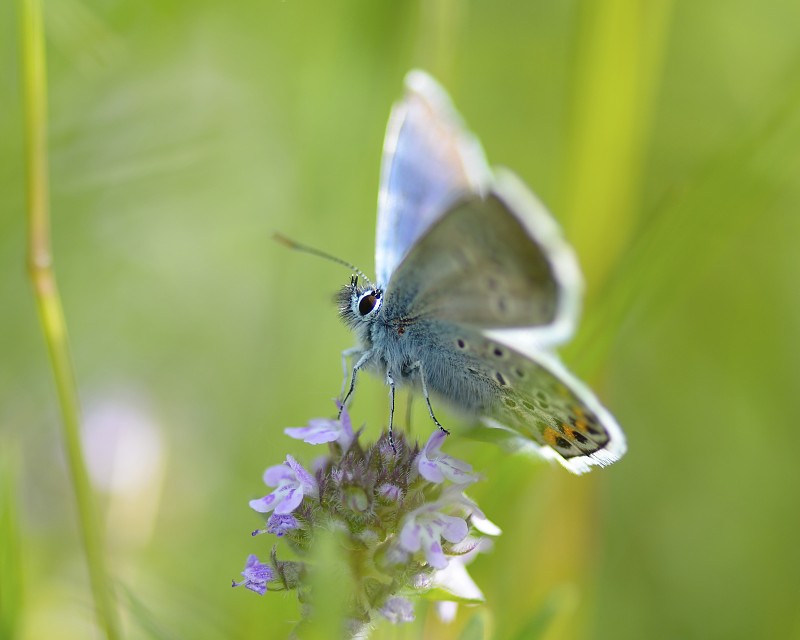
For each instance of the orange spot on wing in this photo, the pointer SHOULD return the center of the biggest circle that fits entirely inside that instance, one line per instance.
(581, 425)
(550, 436)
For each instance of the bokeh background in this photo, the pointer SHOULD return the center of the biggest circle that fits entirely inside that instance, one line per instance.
(665, 137)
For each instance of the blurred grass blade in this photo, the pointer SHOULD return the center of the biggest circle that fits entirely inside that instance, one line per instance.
(620, 46)
(49, 303)
(561, 601)
(478, 627)
(664, 261)
(144, 617)
(10, 546)
(332, 589)
(440, 26)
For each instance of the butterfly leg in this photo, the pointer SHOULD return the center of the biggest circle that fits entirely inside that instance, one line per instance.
(346, 355)
(365, 357)
(418, 366)
(390, 382)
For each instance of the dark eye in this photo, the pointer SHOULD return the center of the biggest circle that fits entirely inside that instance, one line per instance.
(367, 303)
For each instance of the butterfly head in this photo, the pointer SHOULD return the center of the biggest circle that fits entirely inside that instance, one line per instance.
(359, 305)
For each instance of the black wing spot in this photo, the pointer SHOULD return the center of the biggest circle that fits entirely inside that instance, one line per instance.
(562, 443)
(590, 418)
(500, 378)
(461, 343)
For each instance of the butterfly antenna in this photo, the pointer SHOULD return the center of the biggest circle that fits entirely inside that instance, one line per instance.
(288, 242)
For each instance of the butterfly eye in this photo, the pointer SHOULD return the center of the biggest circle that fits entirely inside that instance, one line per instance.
(368, 303)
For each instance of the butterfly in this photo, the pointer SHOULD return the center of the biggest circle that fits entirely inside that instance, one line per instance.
(475, 287)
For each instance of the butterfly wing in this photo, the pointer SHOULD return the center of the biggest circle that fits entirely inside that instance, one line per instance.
(480, 276)
(429, 161)
(541, 400)
(496, 263)
(485, 292)
(529, 402)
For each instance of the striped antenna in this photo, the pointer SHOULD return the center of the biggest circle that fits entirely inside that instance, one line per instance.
(296, 246)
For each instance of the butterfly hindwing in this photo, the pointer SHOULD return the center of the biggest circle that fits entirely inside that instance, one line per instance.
(534, 397)
(541, 400)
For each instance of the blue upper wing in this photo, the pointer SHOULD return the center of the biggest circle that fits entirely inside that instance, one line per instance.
(429, 161)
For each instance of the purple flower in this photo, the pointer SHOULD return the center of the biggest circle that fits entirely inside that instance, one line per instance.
(455, 579)
(397, 610)
(292, 482)
(391, 492)
(424, 529)
(436, 466)
(256, 576)
(281, 524)
(321, 430)
(454, 497)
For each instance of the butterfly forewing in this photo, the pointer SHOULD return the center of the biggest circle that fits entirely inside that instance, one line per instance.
(478, 266)
(429, 161)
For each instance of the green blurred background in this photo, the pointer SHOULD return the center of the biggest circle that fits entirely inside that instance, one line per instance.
(665, 136)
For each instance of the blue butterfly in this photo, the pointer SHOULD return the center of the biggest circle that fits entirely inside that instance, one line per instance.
(475, 287)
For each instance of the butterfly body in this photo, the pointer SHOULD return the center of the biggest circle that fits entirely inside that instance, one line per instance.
(404, 349)
(476, 287)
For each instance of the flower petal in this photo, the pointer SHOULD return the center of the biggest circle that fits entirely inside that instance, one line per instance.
(429, 470)
(447, 610)
(455, 579)
(281, 524)
(347, 423)
(456, 470)
(289, 498)
(434, 443)
(258, 587)
(453, 529)
(317, 432)
(265, 504)
(485, 526)
(435, 466)
(252, 560)
(274, 475)
(256, 576)
(435, 556)
(410, 536)
(397, 610)
(306, 480)
(390, 491)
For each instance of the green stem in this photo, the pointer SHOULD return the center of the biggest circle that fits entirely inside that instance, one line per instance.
(51, 314)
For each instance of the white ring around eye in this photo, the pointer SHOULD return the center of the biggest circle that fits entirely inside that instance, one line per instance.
(357, 303)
